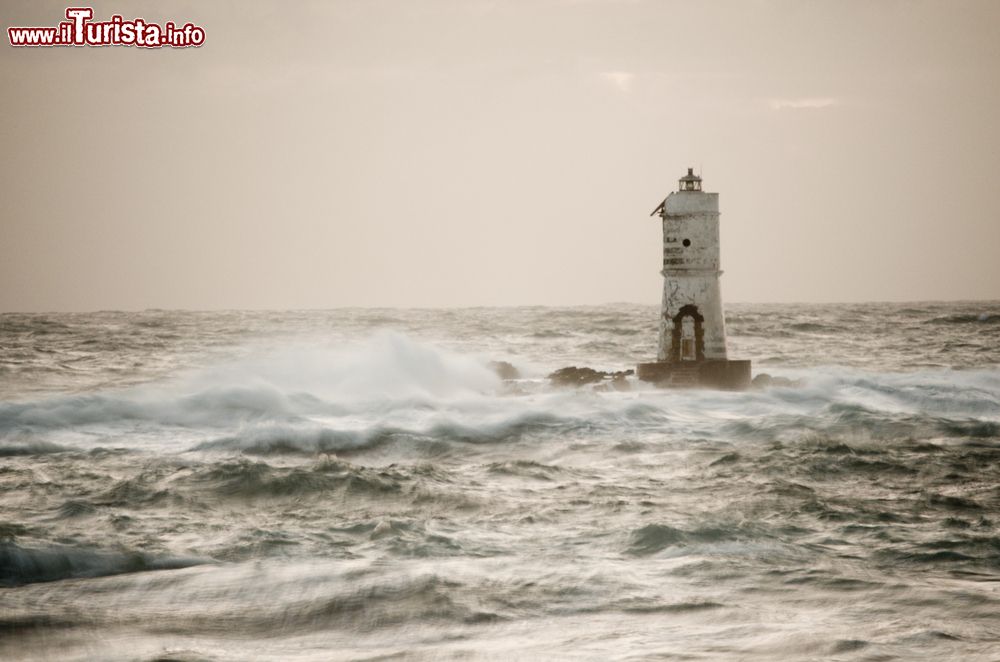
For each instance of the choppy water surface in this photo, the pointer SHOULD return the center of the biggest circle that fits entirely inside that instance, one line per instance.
(358, 484)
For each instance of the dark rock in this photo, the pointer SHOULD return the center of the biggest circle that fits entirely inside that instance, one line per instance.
(573, 376)
(505, 370)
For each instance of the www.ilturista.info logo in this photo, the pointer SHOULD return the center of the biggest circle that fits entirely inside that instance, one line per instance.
(79, 30)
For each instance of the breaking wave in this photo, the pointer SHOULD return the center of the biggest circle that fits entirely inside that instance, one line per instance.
(655, 538)
(245, 479)
(288, 386)
(391, 389)
(971, 318)
(478, 428)
(30, 447)
(28, 565)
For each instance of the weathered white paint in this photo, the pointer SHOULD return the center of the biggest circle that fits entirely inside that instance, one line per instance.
(691, 273)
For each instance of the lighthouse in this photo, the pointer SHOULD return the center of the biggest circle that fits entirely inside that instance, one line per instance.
(692, 341)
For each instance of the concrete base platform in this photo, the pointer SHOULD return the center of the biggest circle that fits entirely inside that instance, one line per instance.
(724, 374)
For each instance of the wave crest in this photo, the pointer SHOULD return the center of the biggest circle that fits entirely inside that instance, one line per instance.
(28, 565)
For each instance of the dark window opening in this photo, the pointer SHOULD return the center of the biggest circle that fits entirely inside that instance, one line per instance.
(687, 339)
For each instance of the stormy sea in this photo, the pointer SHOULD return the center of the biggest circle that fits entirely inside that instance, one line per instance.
(363, 484)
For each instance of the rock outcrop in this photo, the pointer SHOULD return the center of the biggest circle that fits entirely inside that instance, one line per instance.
(574, 376)
(505, 370)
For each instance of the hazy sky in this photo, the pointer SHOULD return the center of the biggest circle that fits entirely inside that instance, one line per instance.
(425, 153)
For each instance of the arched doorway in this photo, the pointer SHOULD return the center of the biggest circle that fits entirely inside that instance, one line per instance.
(687, 339)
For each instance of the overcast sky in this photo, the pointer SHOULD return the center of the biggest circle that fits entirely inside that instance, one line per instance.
(424, 153)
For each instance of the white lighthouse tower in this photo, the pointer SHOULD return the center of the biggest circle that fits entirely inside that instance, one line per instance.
(692, 343)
